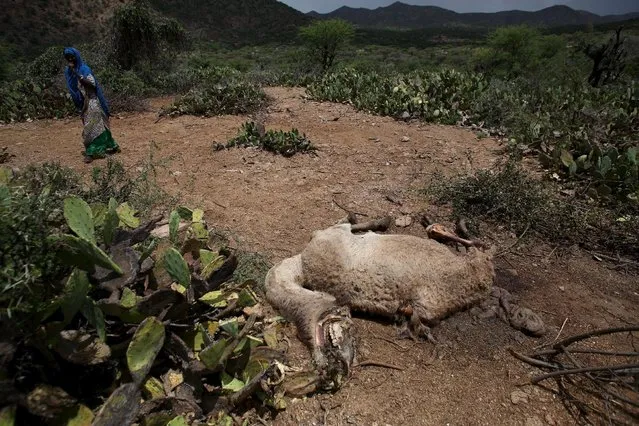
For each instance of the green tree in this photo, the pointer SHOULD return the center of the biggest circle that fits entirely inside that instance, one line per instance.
(141, 33)
(324, 38)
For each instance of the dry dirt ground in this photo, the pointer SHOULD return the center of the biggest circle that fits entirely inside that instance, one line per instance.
(274, 204)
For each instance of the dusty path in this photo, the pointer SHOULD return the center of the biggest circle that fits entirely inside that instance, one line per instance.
(274, 203)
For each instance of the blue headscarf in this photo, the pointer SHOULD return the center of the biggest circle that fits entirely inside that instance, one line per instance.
(81, 69)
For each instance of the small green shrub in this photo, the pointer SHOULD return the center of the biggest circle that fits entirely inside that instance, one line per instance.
(276, 141)
(230, 98)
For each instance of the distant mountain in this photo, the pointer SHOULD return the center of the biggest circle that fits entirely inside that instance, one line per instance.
(607, 7)
(401, 15)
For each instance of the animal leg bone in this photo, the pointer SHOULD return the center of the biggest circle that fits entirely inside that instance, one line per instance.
(439, 233)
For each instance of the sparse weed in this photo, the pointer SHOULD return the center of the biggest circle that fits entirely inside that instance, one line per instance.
(512, 197)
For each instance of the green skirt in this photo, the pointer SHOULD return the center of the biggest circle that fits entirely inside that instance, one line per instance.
(102, 145)
(96, 134)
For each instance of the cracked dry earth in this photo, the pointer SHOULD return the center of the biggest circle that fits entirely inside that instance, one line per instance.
(273, 204)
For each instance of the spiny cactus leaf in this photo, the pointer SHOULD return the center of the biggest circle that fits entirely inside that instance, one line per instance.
(8, 415)
(212, 354)
(178, 421)
(144, 347)
(198, 230)
(230, 383)
(212, 266)
(174, 225)
(126, 213)
(79, 218)
(246, 298)
(185, 213)
(231, 326)
(79, 415)
(85, 255)
(48, 401)
(148, 251)
(198, 216)
(75, 293)
(111, 221)
(207, 256)
(99, 211)
(153, 389)
(81, 348)
(121, 408)
(128, 299)
(215, 299)
(177, 268)
(95, 317)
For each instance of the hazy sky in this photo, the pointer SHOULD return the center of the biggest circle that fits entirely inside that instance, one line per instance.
(324, 6)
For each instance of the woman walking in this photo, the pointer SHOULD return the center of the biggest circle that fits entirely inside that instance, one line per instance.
(90, 101)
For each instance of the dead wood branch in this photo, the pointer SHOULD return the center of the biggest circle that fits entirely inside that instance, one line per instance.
(378, 364)
(379, 225)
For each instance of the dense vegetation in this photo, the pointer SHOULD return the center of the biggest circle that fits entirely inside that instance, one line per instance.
(116, 323)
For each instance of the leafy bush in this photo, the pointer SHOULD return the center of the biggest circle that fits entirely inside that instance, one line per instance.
(231, 98)
(276, 141)
(518, 50)
(510, 196)
(563, 123)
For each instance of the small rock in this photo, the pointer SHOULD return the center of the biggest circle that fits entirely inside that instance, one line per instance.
(404, 221)
(562, 288)
(519, 397)
(534, 421)
(550, 420)
(405, 115)
(405, 139)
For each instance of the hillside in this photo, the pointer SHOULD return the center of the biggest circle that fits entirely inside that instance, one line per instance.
(401, 15)
(31, 26)
(609, 7)
(246, 21)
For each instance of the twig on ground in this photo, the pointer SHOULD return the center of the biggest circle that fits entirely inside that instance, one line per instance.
(401, 348)
(533, 361)
(569, 341)
(348, 210)
(378, 364)
(512, 246)
(573, 371)
(621, 261)
(561, 330)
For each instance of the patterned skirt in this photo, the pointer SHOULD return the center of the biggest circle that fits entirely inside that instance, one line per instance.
(97, 137)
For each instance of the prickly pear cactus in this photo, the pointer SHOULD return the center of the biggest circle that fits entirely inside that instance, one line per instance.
(177, 268)
(85, 254)
(79, 217)
(111, 221)
(174, 226)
